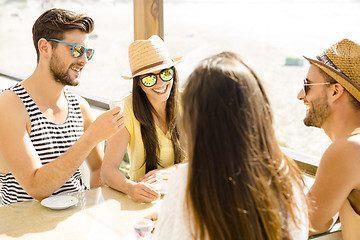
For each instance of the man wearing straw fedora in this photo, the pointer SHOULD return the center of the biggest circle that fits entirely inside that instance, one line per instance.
(331, 94)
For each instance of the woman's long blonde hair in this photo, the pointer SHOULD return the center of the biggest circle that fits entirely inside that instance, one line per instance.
(240, 184)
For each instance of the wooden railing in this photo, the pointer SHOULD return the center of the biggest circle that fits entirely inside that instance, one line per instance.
(307, 163)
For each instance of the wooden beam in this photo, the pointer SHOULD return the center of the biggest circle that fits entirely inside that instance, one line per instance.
(148, 19)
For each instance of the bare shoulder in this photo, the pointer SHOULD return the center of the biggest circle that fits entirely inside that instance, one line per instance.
(7, 97)
(337, 175)
(14, 124)
(11, 106)
(345, 147)
(342, 157)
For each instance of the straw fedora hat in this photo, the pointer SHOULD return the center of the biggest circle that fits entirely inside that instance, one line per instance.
(146, 56)
(341, 61)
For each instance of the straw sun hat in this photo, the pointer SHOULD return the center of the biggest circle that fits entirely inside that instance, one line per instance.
(341, 61)
(146, 56)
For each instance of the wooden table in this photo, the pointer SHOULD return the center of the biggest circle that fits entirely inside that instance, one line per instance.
(101, 213)
(328, 236)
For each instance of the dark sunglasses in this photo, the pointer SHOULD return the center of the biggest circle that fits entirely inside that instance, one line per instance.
(150, 80)
(78, 50)
(306, 85)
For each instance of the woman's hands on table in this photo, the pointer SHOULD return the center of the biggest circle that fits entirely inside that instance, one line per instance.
(143, 192)
(149, 177)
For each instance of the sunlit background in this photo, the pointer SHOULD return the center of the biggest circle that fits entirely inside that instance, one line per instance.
(265, 33)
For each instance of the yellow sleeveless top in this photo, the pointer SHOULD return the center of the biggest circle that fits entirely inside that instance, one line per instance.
(136, 148)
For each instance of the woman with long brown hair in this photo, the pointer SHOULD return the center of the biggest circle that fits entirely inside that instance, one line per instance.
(239, 183)
(151, 133)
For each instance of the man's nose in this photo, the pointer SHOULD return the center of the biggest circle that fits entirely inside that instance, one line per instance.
(84, 59)
(301, 95)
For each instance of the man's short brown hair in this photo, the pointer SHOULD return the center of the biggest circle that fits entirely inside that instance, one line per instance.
(55, 22)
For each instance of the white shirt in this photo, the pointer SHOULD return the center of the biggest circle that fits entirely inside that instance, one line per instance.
(173, 223)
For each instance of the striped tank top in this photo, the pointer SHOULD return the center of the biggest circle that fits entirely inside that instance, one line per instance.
(50, 141)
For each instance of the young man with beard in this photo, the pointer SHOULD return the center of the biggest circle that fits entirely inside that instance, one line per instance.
(46, 131)
(331, 94)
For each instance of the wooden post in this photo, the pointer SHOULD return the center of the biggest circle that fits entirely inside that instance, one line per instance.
(148, 19)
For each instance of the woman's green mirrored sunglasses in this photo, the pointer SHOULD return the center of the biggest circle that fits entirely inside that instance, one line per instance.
(150, 79)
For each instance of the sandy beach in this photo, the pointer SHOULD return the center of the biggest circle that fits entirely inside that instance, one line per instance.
(265, 33)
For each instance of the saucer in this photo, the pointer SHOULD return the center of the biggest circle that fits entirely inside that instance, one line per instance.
(59, 202)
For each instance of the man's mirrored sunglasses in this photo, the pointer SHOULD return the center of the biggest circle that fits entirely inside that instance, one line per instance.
(150, 80)
(78, 50)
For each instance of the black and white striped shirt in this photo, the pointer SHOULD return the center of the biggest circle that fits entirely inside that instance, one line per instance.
(50, 141)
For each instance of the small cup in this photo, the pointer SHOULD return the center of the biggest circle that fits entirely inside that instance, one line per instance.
(143, 228)
(117, 103)
(163, 177)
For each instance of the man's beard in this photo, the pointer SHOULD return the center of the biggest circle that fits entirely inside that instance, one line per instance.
(318, 113)
(60, 75)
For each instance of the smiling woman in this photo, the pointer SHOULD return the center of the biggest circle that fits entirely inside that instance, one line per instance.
(151, 122)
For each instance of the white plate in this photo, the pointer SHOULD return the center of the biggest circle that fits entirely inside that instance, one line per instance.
(59, 202)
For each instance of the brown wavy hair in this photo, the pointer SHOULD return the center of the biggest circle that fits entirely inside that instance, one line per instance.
(240, 184)
(143, 111)
(55, 22)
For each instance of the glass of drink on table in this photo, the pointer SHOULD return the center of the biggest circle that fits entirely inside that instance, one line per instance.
(143, 228)
(163, 177)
